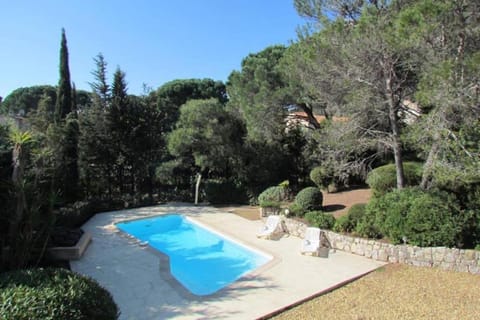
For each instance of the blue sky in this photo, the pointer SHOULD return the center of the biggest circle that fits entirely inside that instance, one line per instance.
(153, 41)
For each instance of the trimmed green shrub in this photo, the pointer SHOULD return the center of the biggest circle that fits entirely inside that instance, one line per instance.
(348, 222)
(422, 218)
(384, 179)
(221, 192)
(320, 219)
(433, 220)
(272, 196)
(53, 294)
(309, 199)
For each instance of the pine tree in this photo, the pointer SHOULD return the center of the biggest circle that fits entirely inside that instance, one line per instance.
(63, 105)
(100, 88)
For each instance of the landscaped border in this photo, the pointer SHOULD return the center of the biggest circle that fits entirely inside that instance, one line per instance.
(445, 258)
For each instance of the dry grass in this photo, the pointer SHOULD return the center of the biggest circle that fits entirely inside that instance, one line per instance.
(247, 212)
(398, 292)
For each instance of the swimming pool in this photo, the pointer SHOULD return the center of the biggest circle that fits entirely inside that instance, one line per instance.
(202, 260)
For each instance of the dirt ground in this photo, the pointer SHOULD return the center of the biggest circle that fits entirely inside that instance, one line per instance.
(336, 203)
(397, 292)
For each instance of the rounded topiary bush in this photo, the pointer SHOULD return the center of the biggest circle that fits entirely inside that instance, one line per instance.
(320, 219)
(53, 294)
(272, 196)
(309, 199)
(348, 222)
(384, 179)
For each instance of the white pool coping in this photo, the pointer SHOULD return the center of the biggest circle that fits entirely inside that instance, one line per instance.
(131, 271)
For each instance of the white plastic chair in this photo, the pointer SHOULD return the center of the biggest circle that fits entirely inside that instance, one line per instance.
(311, 241)
(270, 228)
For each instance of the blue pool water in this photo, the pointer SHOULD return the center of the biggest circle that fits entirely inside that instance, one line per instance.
(201, 260)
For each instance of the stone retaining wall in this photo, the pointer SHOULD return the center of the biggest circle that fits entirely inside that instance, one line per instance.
(442, 257)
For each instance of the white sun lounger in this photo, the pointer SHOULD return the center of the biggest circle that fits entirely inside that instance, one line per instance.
(311, 242)
(271, 227)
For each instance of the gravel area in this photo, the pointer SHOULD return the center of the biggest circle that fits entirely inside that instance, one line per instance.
(398, 292)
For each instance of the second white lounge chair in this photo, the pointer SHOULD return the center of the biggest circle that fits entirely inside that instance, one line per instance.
(311, 242)
(271, 228)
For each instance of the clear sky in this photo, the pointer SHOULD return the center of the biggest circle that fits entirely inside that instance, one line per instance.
(153, 41)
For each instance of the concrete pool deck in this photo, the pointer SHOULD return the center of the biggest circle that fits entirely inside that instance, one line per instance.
(132, 272)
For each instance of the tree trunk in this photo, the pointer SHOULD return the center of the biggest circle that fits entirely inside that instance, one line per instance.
(393, 103)
(428, 166)
(309, 112)
(18, 162)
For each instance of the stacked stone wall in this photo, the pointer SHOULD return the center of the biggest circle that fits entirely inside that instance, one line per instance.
(442, 257)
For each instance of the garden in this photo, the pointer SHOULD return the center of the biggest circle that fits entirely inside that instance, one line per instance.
(379, 95)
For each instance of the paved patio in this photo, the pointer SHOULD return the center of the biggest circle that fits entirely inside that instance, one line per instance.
(131, 272)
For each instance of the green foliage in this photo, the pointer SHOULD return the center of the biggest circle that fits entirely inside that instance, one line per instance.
(309, 199)
(223, 192)
(348, 222)
(256, 94)
(23, 100)
(53, 294)
(272, 196)
(63, 104)
(320, 219)
(70, 185)
(210, 135)
(383, 179)
(172, 95)
(284, 184)
(321, 176)
(422, 218)
(76, 214)
(432, 221)
(296, 210)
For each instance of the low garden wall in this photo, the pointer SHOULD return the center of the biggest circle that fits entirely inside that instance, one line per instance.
(442, 257)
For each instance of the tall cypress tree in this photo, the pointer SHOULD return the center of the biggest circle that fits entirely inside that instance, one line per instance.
(63, 105)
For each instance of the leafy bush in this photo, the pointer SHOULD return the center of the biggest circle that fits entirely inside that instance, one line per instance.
(296, 210)
(309, 199)
(348, 222)
(53, 294)
(321, 177)
(384, 179)
(272, 196)
(320, 219)
(423, 218)
(432, 220)
(221, 192)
